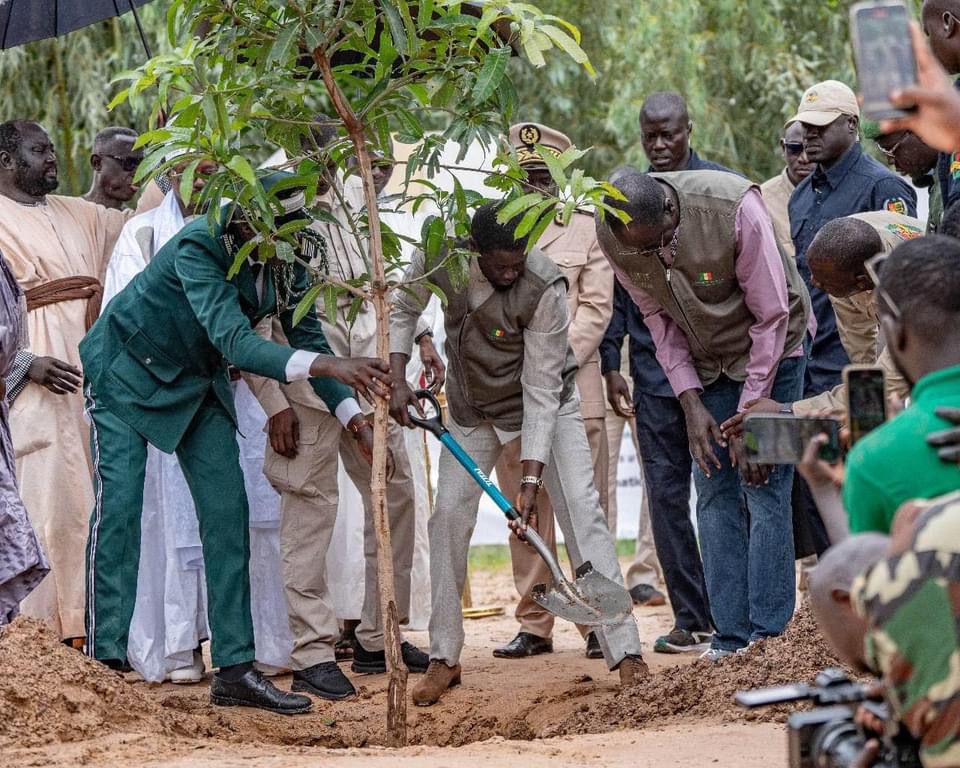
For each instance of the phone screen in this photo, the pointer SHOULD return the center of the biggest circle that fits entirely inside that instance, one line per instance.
(866, 400)
(782, 439)
(884, 53)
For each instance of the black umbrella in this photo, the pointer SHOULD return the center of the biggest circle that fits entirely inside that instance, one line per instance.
(23, 21)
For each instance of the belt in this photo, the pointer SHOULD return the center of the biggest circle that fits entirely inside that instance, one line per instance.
(68, 289)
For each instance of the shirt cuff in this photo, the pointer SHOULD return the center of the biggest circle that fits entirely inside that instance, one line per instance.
(683, 378)
(298, 366)
(347, 410)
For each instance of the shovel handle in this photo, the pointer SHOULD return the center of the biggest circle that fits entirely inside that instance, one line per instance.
(488, 486)
(434, 425)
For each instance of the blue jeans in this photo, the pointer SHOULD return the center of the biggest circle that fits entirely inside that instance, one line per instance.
(746, 533)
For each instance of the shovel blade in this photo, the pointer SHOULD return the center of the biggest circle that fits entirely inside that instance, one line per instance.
(591, 599)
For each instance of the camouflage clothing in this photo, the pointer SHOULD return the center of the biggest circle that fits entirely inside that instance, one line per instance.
(912, 605)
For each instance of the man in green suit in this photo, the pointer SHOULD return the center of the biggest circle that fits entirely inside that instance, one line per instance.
(156, 372)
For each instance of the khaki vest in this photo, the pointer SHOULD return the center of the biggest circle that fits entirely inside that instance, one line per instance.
(485, 346)
(700, 291)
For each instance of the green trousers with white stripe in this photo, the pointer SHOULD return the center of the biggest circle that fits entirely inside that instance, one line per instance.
(209, 458)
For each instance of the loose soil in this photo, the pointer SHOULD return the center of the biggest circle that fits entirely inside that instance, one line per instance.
(59, 708)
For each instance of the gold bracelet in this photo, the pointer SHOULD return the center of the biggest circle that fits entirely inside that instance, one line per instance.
(356, 426)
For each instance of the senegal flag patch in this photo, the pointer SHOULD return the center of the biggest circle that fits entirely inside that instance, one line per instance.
(896, 205)
(497, 333)
(955, 166)
(905, 231)
(705, 278)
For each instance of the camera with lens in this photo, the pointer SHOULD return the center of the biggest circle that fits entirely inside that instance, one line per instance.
(827, 736)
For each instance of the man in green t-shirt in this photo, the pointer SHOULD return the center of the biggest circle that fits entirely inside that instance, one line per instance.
(918, 300)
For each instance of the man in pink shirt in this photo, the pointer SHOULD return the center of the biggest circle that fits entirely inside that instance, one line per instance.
(728, 313)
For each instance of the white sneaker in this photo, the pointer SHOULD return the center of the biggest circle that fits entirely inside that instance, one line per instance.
(714, 655)
(192, 673)
(268, 670)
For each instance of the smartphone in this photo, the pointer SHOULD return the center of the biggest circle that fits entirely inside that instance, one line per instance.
(866, 399)
(781, 438)
(884, 55)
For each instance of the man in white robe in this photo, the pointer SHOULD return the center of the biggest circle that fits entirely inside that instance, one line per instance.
(57, 249)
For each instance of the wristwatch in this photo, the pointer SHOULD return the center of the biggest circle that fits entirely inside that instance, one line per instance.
(420, 336)
(786, 409)
(531, 480)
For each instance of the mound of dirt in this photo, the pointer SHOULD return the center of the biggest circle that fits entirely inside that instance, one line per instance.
(51, 693)
(707, 689)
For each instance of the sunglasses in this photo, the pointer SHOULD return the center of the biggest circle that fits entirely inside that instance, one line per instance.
(793, 147)
(128, 163)
(874, 266)
(889, 153)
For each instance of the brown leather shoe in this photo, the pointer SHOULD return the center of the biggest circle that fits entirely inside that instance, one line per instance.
(633, 671)
(438, 678)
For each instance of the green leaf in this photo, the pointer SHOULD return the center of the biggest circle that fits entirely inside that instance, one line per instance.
(491, 73)
(514, 207)
(241, 166)
(330, 303)
(569, 46)
(531, 217)
(307, 303)
(286, 38)
(240, 259)
(535, 233)
(555, 166)
(285, 252)
(398, 32)
(186, 181)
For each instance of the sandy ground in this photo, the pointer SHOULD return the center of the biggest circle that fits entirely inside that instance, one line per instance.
(504, 713)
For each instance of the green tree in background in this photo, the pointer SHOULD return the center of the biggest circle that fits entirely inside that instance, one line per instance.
(742, 64)
(65, 85)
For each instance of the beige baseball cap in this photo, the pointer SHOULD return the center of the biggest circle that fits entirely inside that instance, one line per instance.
(524, 137)
(824, 102)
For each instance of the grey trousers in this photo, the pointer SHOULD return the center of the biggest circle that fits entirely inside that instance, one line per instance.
(568, 477)
(309, 496)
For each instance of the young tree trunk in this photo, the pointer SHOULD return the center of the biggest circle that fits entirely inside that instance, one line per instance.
(397, 690)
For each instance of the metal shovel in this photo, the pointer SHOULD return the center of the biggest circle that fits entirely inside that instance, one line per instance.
(590, 599)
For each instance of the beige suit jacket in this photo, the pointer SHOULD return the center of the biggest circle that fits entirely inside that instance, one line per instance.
(574, 248)
(776, 194)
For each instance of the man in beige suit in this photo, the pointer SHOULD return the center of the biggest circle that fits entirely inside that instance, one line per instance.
(589, 278)
(511, 375)
(776, 191)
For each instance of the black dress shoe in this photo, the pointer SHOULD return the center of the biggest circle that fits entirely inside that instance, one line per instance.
(523, 645)
(324, 680)
(375, 662)
(593, 647)
(253, 690)
(117, 665)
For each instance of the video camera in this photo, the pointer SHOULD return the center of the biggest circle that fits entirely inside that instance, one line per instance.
(827, 736)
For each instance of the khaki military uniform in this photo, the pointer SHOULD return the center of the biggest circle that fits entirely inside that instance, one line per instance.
(308, 483)
(575, 250)
(859, 325)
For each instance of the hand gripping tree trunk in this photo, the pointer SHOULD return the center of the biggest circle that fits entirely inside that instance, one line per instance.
(397, 689)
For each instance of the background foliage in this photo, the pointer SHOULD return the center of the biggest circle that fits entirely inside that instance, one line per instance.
(741, 63)
(65, 85)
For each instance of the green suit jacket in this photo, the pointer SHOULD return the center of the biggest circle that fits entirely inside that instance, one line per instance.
(164, 342)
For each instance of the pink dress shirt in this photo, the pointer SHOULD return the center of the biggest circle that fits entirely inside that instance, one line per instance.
(759, 272)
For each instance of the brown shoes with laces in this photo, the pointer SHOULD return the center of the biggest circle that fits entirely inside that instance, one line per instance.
(438, 678)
